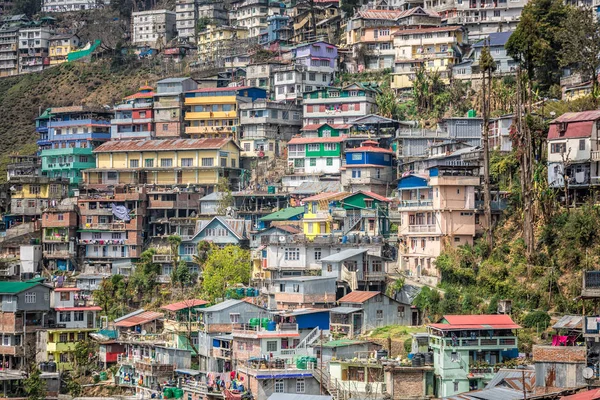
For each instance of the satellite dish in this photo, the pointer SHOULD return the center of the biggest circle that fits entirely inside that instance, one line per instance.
(588, 373)
(282, 238)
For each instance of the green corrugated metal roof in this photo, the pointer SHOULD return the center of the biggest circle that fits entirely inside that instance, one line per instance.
(283, 215)
(46, 114)
(16, 287)
(343, 342)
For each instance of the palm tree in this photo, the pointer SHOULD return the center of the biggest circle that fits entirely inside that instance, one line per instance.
(174, 242)
(203, 248)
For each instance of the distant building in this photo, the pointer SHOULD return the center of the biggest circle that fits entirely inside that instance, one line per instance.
(154, 28)
(168, 106)
(134, 117)
(61, 45)
(34, 42)
(504, 64)
(53, 6)
(191, 12)
(9, 51)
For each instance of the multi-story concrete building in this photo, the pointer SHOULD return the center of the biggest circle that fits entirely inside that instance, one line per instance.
(53, 6)
(168, 106)
(74, 320)
(469, 68)
(9, 51)
(340, 105)
(368, 167)
(60, 46)
(213, 112)
(134, 118)
(33, 47)
(253, 14)
(73, 132)
(437, 211)
(461, 342)
(112, 227)
(261, 74)
(278, 30)
(197, 162)
(433, 49)
(190, 12)
(479, 17)
(370, 34)
(217, 43)
(59, 230)
(32, 194)
(266, 126)
(315, 155)
(153, 28)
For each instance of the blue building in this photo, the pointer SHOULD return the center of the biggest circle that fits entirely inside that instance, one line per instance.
(220, 231)
(278, 30)
(369, 168)
(68, 136)
(505, 64)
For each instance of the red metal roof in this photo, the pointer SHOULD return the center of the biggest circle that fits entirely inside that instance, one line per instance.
(578, 116)
(140, 95)
(288, 228)
(165, 145)
(358, 297)
(67, 289)
(325, 196)
(593, 394)
(428, 30)
(314, 127)
(181, 305)
(580, 129)
(371, 149)
(89, 308)
(139, 319)
(302, 140)
(476, 322)
(373, 195)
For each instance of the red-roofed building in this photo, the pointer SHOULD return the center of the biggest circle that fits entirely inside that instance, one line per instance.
(370, 168)
(361, 311)
(134, 118)
(460, 342)
(573, 140)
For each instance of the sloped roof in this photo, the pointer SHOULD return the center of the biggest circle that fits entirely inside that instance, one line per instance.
(214, 196)
(316, 187)
(495, 39)
(165, 145)
(370, 194)
(463, 322)
(284, 214)
(428, 30)
(224, 305)
(239, 227)
(358, 297)
(302, 140)
(593, 394)
(314, 127)
(578, 116)
(326, 196)
(138, 319)
(579, 129)
(182, 305)
(343, 255)
(221, 89)
(16, 287)
(569, 322)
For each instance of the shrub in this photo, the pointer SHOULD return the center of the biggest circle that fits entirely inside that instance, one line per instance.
(536, 319)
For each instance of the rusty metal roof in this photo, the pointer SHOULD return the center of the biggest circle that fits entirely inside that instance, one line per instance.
(184, 304)
(578, 116)
(358, 297)
(161, 145)
(138, 319)
(569, 322)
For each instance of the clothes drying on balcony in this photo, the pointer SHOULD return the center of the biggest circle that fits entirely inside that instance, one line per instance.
(120, 212)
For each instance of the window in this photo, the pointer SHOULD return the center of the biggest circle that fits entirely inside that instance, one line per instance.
(330, 146)
(134, 163)
(246, 146)
(190, 249)
(30, 298)
(300, 385)
(313, 147)
(456, 386)
(165, 127)
(356, 173)
(96, 235)
(61, 217)
(149, 163)
(400, 311)
(292, 254)
(81, 336)
(558, 147)
(78, 316)
(296, 288)
(279, 384)
(582, 144)
(318, 254)
(234, 318)
(356, 156)
(63, 338)
(187, 162)
(64, 357)
(312, 76)
(313, 162)
(116, 235)
(34, 189)
(377, 266)
(272, 345)
(65, 296)
(207, 162)
(166, 162)
(65, 316)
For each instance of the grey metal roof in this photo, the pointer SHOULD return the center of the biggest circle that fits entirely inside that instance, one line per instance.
(344, 310)
(407, 294)
(343, 255)
(569, 322)
(294, 396)
(317, 187)
(214, 196)
(173, 80)
(512, 378)
(221, 306)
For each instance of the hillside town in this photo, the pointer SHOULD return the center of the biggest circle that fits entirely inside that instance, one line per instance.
(317, 200)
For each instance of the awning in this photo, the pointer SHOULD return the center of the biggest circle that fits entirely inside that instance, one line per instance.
(344, 310)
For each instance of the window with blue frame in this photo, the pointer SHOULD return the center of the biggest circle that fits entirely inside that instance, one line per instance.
(356, 173)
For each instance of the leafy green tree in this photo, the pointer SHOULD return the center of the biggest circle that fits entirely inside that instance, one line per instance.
(174, 243)
(112, 296)
(34, 385)
(73, 387)
(225, 267)
(144, 279)
(181, 275)
(226, 199)
(535, 43)
(387, 104)
(27, 7)
(84, 354)
(580, 43)
(428, 301)
(203, 248)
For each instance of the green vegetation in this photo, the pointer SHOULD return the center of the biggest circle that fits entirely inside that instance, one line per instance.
(224, 268)
(396, 332)
(34, 385)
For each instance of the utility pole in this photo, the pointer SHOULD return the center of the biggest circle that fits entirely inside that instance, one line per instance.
(524, 389)
(321, 361)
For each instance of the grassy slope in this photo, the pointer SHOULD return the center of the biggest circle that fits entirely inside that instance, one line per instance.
(22, 97)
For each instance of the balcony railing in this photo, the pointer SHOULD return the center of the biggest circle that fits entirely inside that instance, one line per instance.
(258, 330)
(415, 203)
(162, 258)
(595, 155)
(115, 226)
(475, 342)
(422, 228)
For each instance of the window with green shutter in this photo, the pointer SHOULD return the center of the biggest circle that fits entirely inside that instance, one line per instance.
(313, 162)
(329, 161)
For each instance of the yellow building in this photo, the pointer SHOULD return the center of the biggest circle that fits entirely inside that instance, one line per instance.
(30, 195)
(198, 162)
(317, 217)
(213, 112)
(434, 49)
(60, 46)
(215, 43)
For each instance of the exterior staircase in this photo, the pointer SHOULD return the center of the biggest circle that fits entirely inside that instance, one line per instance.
(331, 386)
(351, 221)
(309, 339)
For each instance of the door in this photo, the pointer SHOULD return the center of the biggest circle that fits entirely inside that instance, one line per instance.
(357, 324)
(179, 177)
(90, 320)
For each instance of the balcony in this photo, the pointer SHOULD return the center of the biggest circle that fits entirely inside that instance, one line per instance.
(282, 329)
(129, 106)
(422, 229)
(207, 115)
(221, 353)
(591, 284)
(198, 130)
(61, 254)
(132, 135)
(595, 155)
(415, 204)
(162, 258)
(503, 342)
(56, 239)
(114, 226)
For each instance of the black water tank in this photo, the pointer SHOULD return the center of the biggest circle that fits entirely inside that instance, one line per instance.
(429, 358)
(382, 354)
(44, 367)
(51, 366)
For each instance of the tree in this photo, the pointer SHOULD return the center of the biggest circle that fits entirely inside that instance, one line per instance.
(34, 385)
(181, 275)
(226, 198)
(202, 249)
(27, 7)
(225, 267)
(535, 43)
(387, 104)
(112, 296)
(85, 356)
(144, 279)
(174, 243)
(580, 43)
(486, 63)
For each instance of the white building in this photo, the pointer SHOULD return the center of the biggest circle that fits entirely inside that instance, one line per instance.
(291, 81)
(253, 14)
(153, 28)
(70, 5)
(189, 12)
(33, 48)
